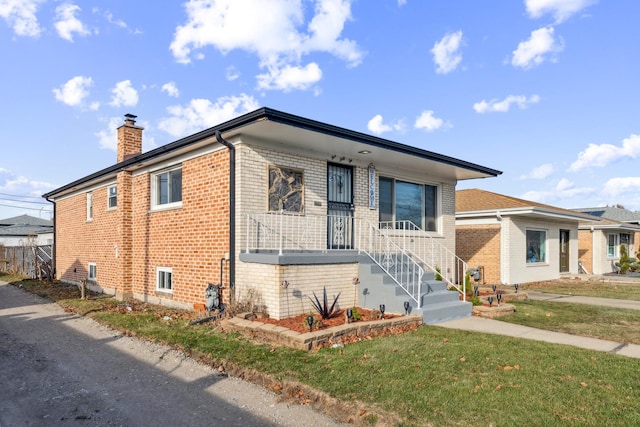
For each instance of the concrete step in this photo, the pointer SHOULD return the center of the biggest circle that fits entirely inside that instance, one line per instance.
(443, 312)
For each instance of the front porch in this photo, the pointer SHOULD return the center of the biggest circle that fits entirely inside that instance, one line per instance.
(290, 256)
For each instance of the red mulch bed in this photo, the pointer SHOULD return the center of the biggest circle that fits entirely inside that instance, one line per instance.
(299, 323)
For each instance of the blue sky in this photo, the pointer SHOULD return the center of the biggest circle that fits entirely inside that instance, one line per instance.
(544, 90)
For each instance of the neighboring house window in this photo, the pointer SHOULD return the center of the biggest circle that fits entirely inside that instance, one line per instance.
(163, 279)
(286, 189)
(625, 239)
(112, 200)
(167, 188)
(612, 246)
(89, 206)
(92, 271)
(406, 201)
(536, 246)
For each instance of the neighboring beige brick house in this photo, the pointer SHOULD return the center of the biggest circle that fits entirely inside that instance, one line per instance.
(515, 240)
(599, 244)
(270, 205)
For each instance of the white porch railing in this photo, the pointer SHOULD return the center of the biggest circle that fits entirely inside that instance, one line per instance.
(403, 253)
(431, 253)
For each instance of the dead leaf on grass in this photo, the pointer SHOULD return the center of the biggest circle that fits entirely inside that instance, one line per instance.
(583, 384)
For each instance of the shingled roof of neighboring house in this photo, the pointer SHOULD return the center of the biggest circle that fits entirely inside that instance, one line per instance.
(613, 213)
(24, 230)
(25, 220)
(476, 202)
(609, 224)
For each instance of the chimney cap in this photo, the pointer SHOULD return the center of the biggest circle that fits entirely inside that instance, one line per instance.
(130, 117)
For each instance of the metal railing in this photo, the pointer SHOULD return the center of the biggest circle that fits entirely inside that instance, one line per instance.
(428, 251)
(413, 249)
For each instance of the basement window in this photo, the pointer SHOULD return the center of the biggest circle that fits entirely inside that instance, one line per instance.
(93, 272)
(164, 279)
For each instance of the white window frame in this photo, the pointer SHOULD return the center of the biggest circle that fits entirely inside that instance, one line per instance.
(112, 200)
(613, 251)
(162, 272)
(538, 261)
(155, 205)
(90, 206)
(92, 272)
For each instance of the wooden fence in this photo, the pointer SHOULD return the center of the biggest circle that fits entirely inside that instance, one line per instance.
(30, 261)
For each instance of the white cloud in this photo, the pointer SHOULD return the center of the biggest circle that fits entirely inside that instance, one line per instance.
(119, 23)
(446, 53)
(602, 155)
(564, 184)
(20, 15)
(277, 36)
(171, 89)
(10, 183)
(560, 9)
(629, 186)
(541, 172)
(290, 77)
(232, 73)
(200, 114)
(428, 121)
(67, 24)
(377, 126)
(124, 95)
(74, 91)
(402, 2)
(503, 106)
(534, 51)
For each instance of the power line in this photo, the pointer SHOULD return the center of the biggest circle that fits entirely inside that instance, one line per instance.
(20, 207)
(18, 195)
(24, 201)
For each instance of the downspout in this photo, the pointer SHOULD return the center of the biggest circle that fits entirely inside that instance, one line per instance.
(54, 246)
(232, 213)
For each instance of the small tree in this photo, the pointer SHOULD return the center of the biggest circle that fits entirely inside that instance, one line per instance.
(625, 263)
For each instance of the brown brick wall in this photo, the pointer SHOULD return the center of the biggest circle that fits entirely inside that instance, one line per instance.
(191, 240)
(585, 249)
(479, 245)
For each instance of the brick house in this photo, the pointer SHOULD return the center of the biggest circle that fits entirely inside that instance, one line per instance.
(271, 206)
(515, 240)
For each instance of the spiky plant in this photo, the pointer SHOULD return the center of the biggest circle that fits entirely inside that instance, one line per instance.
(325, 311)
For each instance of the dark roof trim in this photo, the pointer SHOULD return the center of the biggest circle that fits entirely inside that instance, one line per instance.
(266, 113)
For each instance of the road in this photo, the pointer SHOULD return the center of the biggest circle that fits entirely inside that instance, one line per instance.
(58, 369)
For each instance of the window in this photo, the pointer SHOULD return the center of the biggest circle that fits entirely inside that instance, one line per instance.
(163, 279)
(89, 206)
(92, 271)
(112, 197)
(167, 188)
(612, 246)
(406, 201)
(286, 187)
(536, 246)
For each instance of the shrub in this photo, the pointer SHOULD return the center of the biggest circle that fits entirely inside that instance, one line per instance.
(325, 311)
(475, 300)
(438, 275)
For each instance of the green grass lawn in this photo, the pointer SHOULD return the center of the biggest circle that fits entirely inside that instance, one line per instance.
(607, 323)
(430, 377)
(614, 289)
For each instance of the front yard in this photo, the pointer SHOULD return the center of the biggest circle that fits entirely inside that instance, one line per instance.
(432, 376)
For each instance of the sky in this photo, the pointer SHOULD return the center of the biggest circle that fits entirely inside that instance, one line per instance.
(544, 90)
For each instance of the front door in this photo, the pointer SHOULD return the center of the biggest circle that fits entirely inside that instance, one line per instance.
(564, 251)
(339, 207)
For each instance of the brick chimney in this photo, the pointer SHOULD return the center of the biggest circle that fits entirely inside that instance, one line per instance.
(129, 138)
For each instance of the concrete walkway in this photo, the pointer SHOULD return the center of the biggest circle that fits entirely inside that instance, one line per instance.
(491, 326)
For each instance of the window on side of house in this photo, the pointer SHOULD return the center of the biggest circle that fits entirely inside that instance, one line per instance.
(89, 206)
(164, 279)
(625, 239)
(612, 246)
(536, 246)
(286, 189)
(402, 201)
(112, 197)
(166, 187)
(93, 272)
